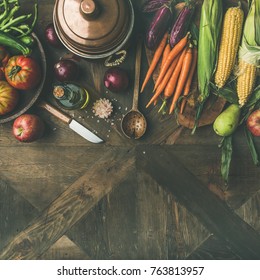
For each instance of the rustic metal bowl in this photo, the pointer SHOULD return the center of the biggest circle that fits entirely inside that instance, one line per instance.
(29, 97)
(93, 29)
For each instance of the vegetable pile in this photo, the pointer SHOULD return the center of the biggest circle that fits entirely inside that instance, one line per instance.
(175, 49)
(225, 51)
(15, 31)
(19, 71)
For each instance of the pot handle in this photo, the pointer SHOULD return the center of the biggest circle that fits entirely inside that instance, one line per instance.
(89, 9)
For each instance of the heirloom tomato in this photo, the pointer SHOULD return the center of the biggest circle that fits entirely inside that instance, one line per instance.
(22, 72)
(8, 98)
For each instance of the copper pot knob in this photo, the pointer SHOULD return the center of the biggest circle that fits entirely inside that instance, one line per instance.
(89, 8)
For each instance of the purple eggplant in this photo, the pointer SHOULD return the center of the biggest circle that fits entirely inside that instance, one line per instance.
(151, 6)
(160, 23)
(181, 24)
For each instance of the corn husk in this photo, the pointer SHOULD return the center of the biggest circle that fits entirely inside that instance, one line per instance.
(250, 46)
(209, 33)
(210, 28)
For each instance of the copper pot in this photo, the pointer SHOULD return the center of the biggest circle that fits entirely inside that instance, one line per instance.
(93, 28)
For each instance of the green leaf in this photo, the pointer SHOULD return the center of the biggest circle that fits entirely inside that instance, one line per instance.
(251, 146)
(257, 22)
(254, 98)
(226, 156)
(226, 92)
(194, 30)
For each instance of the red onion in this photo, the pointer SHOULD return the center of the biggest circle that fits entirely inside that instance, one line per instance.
(51, 36)
(66, 70)
(116, 79)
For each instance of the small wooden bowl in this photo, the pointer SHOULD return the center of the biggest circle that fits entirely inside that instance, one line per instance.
(29, 97)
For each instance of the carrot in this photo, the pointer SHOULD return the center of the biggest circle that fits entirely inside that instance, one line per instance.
(183, 75)
(169, 90)
(187, 87)
(173, 53)
(163, 84)
(168, 75)
(156, 58)
(166, 52)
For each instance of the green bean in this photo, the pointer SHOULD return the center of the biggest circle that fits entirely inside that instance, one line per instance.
(34, 20)
(16, 29)
(10, 15)
(15, 21)
(9, 2)
(6, 10)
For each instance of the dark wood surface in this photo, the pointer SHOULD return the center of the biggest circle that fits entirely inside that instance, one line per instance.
(160, 197)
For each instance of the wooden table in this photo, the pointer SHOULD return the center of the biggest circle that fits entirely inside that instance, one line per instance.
(160, 197)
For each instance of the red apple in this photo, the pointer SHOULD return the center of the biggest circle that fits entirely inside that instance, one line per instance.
(28, 128)
(8, 98)
(253, 122)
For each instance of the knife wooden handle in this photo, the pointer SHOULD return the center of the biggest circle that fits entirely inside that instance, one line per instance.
(55, 112)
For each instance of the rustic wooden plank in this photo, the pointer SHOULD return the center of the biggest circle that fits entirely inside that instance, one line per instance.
(166, 230)
(15, 212)
(151, 208)
(68, 208)
(211, 211)
(212, 249)
(109, 231)
(64, 249)
(46, 170)
(138, 220)
(250, 211)
(15, 215)
(187, 231)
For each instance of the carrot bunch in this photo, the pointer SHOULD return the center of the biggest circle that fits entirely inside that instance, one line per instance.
(177, 68)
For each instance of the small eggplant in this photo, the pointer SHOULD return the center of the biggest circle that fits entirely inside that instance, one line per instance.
(181, 24)
(151, 6)
(158, 27)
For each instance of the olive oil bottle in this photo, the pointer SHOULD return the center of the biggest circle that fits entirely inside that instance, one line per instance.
(71, 96)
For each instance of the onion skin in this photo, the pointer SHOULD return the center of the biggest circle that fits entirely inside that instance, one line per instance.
(52, 37)
(181, 24)
(116, 79)
(158, 27)
(66, 70)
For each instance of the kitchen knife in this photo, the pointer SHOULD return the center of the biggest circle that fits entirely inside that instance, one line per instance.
(73, 124)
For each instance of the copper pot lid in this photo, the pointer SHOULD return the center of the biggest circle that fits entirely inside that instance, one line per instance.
(93, 28)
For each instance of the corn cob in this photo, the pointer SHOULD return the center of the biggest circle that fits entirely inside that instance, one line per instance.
(249, 54)
(229, 43)
(245, 81)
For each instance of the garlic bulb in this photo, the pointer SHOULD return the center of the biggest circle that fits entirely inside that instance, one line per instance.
(102, 108)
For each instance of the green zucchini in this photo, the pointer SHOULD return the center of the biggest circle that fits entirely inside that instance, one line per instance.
(14, 43)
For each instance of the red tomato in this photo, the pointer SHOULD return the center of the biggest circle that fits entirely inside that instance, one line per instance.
(22, 72)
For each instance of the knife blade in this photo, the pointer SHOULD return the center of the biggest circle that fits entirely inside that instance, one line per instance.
(73, 124)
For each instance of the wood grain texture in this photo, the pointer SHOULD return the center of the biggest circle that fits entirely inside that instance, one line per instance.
(212, 212)
(64, 249)
(67, 209)
(138, 220)
(212, 249)
(15, 212)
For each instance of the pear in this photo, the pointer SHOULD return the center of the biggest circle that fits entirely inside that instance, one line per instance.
(226, 123)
